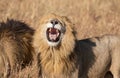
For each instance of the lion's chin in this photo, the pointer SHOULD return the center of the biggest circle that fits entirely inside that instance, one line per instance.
(53, 43)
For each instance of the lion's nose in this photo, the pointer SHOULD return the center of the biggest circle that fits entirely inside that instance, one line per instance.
(54, 22)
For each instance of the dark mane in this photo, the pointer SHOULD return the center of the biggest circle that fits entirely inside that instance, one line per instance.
(15, 27)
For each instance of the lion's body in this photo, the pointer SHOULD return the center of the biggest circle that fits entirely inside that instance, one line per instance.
(99, 55)
(90, 58)
(15, 46)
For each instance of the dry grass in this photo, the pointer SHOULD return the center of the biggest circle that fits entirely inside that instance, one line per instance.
(28, 72)
(91, 17)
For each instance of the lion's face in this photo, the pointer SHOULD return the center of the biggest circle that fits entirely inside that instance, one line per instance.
(54, 30)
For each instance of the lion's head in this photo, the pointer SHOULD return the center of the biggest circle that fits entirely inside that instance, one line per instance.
(54, 29)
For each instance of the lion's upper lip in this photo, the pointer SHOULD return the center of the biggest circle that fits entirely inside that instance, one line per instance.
(53, 34)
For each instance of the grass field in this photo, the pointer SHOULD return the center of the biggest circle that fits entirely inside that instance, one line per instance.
(91, 17)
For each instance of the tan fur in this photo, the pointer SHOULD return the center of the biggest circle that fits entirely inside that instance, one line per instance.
(72, 58)
(15, 46)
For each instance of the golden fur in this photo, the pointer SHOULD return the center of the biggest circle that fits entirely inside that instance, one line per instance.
(15, 46)
(72, 58)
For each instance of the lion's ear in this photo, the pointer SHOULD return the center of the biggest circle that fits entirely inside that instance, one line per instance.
(66, 18)
(71, 25)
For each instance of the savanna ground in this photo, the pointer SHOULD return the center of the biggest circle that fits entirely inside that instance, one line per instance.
(90, 17)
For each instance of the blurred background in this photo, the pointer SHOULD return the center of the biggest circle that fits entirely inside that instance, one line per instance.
(91, 17)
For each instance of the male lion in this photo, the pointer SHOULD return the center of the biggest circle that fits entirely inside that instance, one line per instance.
(61, 55)
(15, 46)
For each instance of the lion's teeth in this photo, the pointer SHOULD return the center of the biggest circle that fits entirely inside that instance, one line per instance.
(52, 36)
(57, 31)
(50, 30)
(57, 34)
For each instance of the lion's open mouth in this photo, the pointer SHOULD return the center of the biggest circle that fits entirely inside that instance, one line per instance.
(53, 34)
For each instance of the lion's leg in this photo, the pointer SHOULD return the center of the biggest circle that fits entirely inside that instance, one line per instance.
(116, 75)
(108, 75)
(115, 65)
(115, 71)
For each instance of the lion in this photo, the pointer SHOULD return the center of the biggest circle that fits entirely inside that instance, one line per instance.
(61, 55)
(16, 50)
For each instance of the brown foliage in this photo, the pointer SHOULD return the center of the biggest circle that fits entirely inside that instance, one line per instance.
(98, 17)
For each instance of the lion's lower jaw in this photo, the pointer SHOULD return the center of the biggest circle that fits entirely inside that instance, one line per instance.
(53, 43)
(50, 43)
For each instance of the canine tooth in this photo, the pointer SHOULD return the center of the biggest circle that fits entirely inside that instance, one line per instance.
(57, 31)
(57, 34)
(50, 29)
